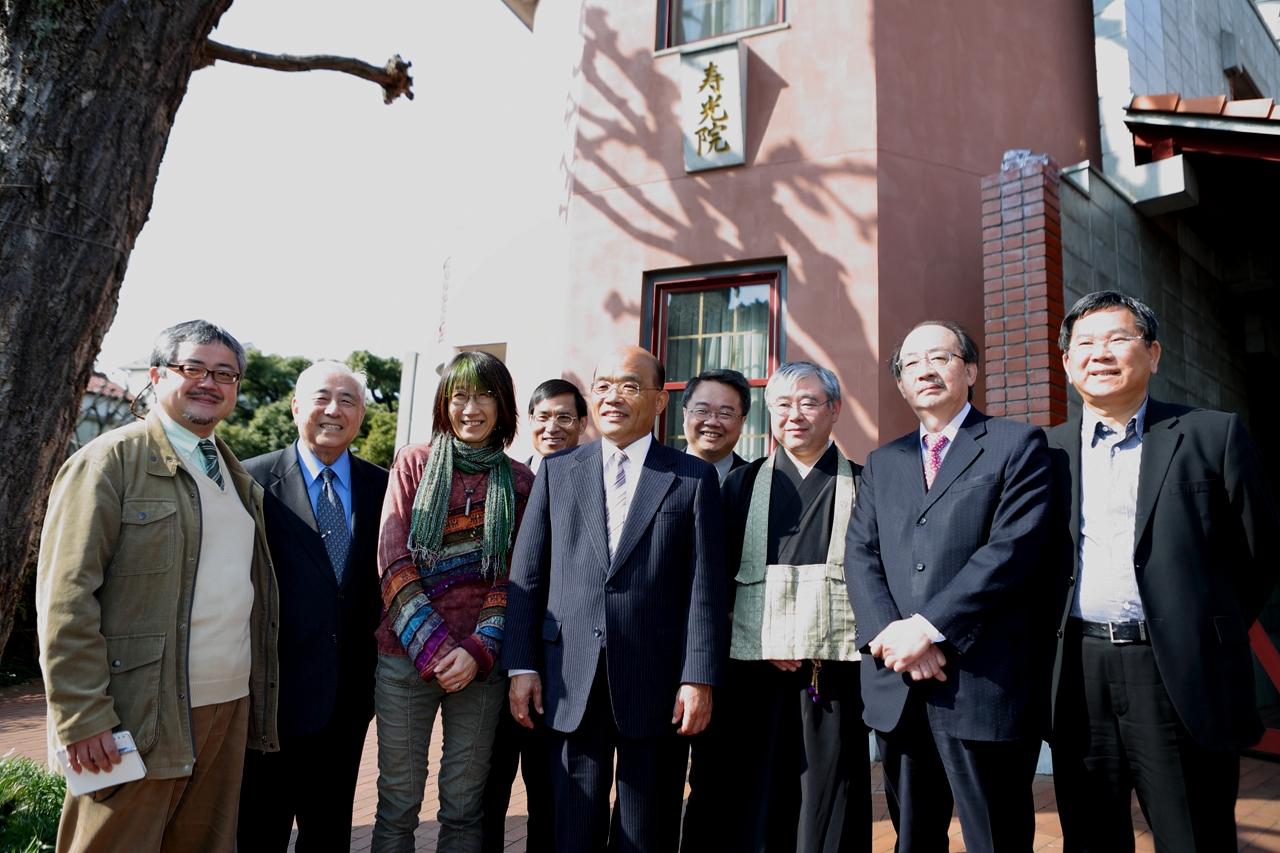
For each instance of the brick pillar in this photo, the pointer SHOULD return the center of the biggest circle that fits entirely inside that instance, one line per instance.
(1022, 290)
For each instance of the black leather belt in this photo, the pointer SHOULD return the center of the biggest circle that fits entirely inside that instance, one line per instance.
(1116, 632)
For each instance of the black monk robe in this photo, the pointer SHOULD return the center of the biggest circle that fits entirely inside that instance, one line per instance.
(794, 774)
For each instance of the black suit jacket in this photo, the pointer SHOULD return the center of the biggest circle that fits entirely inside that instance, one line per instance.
(327, 648)
(1205, 553)
(964, 555)
(657, 608)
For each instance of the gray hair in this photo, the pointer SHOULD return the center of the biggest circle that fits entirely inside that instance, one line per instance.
(793, 371)
(165, 349)
(1143, 317)
(968, 348)
(312, 376)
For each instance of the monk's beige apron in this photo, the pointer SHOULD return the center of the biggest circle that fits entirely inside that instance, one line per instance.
(793, 612)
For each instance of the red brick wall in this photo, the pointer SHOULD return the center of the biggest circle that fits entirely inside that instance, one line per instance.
(1022, 290)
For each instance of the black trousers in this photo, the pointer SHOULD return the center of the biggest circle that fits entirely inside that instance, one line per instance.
(989, 783)
(650, 782)
(529, 750)
(794, 774)
(313, 779)
(1116, 731)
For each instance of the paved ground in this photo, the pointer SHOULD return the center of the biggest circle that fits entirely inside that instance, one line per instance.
(1257, 811)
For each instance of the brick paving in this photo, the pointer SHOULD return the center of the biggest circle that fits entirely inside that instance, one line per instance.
(22, 716)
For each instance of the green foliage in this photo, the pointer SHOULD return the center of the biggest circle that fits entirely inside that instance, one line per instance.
(267, 379)
(376, 440)
(30, 805)
(384, 378)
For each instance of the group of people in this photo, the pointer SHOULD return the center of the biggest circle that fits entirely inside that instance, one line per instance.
(610, 615)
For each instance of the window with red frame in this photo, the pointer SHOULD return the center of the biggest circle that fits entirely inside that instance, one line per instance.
(725, 322)
(685, 21)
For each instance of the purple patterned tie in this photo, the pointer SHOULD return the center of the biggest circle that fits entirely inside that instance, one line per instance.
(934, 444)
(616, 505)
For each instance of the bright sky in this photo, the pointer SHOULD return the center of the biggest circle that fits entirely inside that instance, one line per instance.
(303, 214)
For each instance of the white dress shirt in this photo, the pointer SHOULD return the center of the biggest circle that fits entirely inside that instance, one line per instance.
(633, 466)
(949, 431)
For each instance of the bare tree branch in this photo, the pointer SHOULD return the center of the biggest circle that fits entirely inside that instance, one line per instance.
(393, 77)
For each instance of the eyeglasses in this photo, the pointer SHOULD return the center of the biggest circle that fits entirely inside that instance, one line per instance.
(484, 399)
(702, 414)
(197, 371)
(938, 360)
(1114, 343)
(806, 407)
(564, 419)
(629, 390)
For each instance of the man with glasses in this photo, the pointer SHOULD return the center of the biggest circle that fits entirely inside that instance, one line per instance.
(557, 418)
(158, 611)
(716, 403)
(789, 746)
(616, 615)
(942, 563)
(322, 508)
(1169, 551)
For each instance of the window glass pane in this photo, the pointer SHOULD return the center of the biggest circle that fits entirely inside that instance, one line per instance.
(715, 311)
(700, 19)
(754, 441)
(683, 310)
(675, 423)
(682, 359)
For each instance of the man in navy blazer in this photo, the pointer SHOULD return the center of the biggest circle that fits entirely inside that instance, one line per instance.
(941, 562)
(327, 619)
(615, 614)
(1170, 547)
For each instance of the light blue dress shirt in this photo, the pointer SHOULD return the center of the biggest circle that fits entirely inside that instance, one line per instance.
(311, 468)
(1110, 461)
(186, 444)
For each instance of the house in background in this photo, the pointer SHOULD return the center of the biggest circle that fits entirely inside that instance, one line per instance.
(104, 407)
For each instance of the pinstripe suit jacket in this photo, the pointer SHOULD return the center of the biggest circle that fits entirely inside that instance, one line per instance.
(966, 556)
(657, 607)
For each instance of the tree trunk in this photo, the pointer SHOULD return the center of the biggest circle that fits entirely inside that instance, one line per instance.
(88, 93)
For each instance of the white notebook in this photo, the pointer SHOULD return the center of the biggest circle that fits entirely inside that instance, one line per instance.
(129, 769)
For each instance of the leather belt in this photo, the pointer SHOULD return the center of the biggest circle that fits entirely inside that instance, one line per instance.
(1117, 632)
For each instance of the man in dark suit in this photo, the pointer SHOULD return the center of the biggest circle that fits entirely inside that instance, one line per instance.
(716, 403)
(1170, 550)
(941, 562)
(616, 614)
(322, 508)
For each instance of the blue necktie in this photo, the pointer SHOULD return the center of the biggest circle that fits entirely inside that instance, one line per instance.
(331, 518)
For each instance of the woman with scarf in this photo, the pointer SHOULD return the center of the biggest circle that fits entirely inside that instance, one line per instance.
(448, 526)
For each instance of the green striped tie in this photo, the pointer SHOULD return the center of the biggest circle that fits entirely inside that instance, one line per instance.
(211, 466)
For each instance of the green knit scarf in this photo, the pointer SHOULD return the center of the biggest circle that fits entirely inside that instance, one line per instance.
(431, 504)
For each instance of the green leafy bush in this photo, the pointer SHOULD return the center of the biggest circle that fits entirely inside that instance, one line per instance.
(30, 804)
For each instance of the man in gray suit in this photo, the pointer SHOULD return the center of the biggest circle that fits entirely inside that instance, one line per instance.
(615, 615)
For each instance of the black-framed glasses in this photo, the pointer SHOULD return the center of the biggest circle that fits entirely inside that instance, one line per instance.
(629, 390)
(199, 371)
(727, 416)
(564, 419)
(938, 360)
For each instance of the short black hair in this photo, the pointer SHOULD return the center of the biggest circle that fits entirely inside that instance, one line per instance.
(165, 349)
(968, 347)
(554, 388)
(1143, 317)
(732, 378)
(477, 370)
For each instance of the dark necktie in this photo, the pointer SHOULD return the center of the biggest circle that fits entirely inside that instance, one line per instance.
(211, 466)
(331, 518)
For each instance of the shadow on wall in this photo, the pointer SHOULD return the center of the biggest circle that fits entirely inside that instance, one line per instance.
(738, 214)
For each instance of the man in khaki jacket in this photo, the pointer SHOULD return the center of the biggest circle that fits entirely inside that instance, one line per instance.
(158, 611)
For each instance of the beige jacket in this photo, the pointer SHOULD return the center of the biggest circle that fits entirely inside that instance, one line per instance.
(118, 561)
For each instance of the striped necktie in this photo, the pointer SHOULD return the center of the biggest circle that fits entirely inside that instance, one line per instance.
(616, 505)
(211, 466)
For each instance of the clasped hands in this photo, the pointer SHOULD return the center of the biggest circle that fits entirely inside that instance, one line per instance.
(692, 709)
(906, 646)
